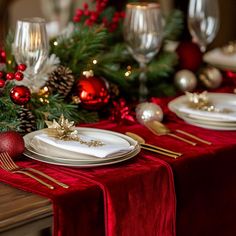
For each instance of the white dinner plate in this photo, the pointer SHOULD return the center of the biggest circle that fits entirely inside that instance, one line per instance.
(109, 137)
(205, 119)
(56, 155)
(219, 59)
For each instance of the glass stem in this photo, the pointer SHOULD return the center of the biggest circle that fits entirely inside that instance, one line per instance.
(203, 48)
(143, 90)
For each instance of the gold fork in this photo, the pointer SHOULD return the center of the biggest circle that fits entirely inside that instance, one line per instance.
(9, 165)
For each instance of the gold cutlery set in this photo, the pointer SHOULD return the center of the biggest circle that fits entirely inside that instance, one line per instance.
(158, 129)
(9, 165)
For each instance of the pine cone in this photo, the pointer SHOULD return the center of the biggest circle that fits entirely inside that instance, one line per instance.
(61, 81)
(27, 121)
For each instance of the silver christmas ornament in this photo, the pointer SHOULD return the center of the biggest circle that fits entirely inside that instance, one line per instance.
(211, 77)
(148, 111)
(185, 80)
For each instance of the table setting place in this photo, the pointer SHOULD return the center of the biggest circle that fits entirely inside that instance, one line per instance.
(64, 144)
(118, 119)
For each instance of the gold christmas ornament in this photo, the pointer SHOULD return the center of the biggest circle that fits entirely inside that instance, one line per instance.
(229, 48)
(185, 80)
(211, 77)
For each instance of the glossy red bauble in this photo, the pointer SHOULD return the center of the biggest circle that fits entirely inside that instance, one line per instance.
(20, 95)
(92, 92)
(190, 56)
(12, 143)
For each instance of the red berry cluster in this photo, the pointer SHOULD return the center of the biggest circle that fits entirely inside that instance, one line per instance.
(90, 17)
(18, 75)
(2, 56)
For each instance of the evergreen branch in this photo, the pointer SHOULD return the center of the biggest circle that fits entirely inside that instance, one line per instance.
(174, 25)
(10, 62)
(57, 106)
(9, 110)
(78, 50)
(163, 66)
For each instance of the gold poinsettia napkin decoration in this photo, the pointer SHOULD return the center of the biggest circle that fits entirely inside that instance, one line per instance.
(65, 130)
(201, 101)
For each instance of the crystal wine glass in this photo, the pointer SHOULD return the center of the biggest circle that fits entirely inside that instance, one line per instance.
(31, 46)
(203, 21)
(143, 35)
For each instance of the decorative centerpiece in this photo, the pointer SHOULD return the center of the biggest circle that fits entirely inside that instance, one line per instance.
(54, 80)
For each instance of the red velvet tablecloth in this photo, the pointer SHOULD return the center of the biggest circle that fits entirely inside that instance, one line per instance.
(138, 197)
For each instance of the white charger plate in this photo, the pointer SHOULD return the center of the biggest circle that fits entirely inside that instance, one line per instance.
(79, 164)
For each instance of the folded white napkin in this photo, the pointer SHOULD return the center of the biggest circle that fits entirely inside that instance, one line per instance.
(112, 145)
(207, 115)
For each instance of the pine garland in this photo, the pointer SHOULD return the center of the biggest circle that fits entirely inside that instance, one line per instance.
(174, 25)
(52, 108)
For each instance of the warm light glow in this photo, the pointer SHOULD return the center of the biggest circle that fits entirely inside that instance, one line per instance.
(9, 62)
(55, 43)
(127, 73)
(45, 89)
(95, 61)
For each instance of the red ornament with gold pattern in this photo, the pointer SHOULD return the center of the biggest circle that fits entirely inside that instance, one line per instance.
(91, 91)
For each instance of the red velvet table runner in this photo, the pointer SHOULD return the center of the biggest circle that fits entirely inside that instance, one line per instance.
(135, 197)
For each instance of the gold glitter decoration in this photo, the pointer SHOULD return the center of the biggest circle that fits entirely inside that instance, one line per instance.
(66, 131)
(229, 48)
(201, 102)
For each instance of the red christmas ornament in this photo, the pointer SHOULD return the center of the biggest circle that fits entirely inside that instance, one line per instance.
(20, 95)
(190, 56)
(12, 143)
(92, 91)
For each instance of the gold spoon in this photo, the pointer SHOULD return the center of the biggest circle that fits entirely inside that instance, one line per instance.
(153, 148)
(159, 129)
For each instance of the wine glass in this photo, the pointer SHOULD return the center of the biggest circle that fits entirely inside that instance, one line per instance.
(203, 21)
(31, 46)
(143, 35)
